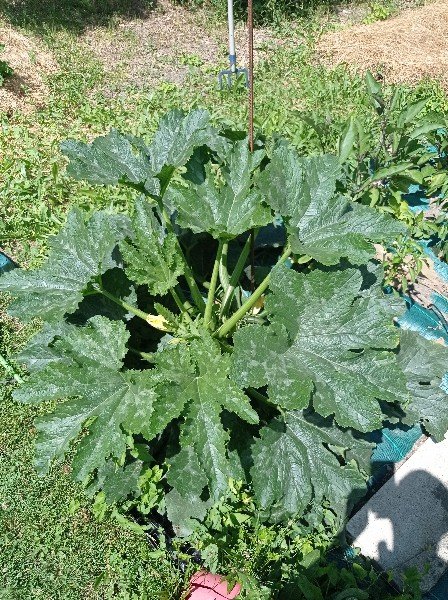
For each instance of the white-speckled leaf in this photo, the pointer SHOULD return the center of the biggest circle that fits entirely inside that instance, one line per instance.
(109, 160)
(321, 223)
(152, 255)
(223, 210)
(292, 466)
(328, 339)
(185, 512)
(116, 482)
(209, 392)
(78, 254)
(185, 473)
(425, 364)
(179, 133)
(89, 372)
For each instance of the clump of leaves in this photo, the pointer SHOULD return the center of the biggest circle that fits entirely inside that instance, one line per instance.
(380, 11)
(5, 69)
(403, 264)
(403, 170)
(298, 559)
(403, 154)
(157, 354)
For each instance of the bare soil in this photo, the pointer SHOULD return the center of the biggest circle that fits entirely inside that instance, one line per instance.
(26, 89)
(161, 46)
(405, 49)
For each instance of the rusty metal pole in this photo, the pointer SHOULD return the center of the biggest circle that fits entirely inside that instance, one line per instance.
(250, 27)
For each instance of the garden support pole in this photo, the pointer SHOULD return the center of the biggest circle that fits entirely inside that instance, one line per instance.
(250, 26)
(232, 51)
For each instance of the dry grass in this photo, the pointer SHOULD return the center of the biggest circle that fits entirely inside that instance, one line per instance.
(26, 89)
(406, 49)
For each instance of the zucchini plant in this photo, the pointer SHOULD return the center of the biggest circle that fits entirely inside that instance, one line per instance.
(154, 350)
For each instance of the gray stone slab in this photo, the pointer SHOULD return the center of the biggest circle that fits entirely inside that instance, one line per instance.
(405, 524)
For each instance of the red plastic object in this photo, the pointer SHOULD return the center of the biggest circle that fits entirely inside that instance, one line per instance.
(205, 586)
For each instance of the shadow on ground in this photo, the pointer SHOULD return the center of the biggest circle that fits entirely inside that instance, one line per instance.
(73, 15)
(403, 528)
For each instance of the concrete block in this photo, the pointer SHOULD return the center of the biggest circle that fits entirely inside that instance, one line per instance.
(405, 524)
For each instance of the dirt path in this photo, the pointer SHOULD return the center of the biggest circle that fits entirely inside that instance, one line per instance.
(26, 89)
(162, 46)
(405, 49)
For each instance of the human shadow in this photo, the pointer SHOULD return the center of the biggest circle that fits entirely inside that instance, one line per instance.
(404, 525)
(71, 15)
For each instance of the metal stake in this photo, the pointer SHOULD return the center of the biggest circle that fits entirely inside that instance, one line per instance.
(250, 27)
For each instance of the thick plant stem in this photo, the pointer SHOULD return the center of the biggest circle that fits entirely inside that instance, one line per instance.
(227, 299)
(261, 397)
(212, 289)
(9, 369)
(191, 282)
(186, 304)
(149, 356)
(250, 302)
(180, 305)
(223, 272)
(135, 311)
(195, 293)
(188, 274)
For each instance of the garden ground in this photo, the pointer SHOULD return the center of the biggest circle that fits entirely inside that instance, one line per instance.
(77, 78)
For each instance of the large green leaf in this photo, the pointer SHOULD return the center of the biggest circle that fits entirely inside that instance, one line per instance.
(79, 253)
(227, 209)
(203, 459)
(328, 338)
(115, 282)
(39, 351)
(185, 512)
(116, 482)
(152, 256)
(109, 160)
(425, 364)
(321, 223)
(125, 159)
(87, 367)
(293, 466)
(179, 133)
(209, 392)
(290, 184)
(185, 473)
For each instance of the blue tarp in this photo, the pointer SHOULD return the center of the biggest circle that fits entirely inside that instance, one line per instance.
(6, 264)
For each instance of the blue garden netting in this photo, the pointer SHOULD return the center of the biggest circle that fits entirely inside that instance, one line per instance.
(393, 445)
(416, 198)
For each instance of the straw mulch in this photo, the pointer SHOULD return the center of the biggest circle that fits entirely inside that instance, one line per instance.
(405, 49)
